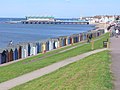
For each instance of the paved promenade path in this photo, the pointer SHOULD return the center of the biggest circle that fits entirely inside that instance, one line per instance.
(115, 52)
(38, 73)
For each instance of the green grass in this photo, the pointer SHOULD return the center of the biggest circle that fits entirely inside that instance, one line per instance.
(90, 73)
(25, 66)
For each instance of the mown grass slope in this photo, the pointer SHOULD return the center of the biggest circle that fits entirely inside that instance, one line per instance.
(90, 73)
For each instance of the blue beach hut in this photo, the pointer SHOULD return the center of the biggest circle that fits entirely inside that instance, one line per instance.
(84, 36)
(38, 47)
(15, 53)
(75, 38)
(3, 56)
(69, 40)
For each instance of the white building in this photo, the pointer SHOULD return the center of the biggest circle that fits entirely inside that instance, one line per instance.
(30, 18)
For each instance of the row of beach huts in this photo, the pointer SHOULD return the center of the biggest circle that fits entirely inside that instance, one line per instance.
(24, 50)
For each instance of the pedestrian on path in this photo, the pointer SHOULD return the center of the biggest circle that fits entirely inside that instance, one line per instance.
(117, 33)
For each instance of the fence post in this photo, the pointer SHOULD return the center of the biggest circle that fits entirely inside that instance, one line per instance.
(92, 42)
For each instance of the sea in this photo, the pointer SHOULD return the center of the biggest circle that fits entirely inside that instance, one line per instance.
(20, 33)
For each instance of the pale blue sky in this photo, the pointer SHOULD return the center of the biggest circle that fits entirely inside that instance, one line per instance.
(58, 8)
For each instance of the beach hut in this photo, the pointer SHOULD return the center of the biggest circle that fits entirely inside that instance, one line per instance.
(95, 34)
(84, 36)
(63, 40)
(0, 57)
(19, 52)
(55, 42)
(55, 45)
(33, 49)
(15, 53)
(101, 31)
(29, 49)
(75, 38)
(72, 40)
(69, 40)
(38, 44)
(98, 33)
(81, 36)
(51, 43)
(66, 40)
(7, 56)
(10, 54)
(24, 51)
(60, 42)
(47, 45)
(43, 47)
(3, 56)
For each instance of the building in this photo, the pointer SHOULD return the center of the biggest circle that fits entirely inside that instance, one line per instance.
(44, 19)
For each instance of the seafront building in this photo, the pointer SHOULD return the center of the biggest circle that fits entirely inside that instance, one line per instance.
(42, 19)
(101, 19)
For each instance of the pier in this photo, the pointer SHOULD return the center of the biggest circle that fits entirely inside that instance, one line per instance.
(41, 22)
(52, 20)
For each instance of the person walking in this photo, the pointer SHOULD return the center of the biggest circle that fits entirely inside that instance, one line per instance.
(117, 33)
(113, 31)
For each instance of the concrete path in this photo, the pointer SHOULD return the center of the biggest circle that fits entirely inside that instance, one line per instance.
(115, 53)
(38, 73)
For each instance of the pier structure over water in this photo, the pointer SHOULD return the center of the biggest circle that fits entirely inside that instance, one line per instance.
(52, 20)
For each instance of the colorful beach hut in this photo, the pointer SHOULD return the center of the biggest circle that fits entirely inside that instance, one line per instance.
(56, 43)
(63, 40)
(38, 44)
(51, 42)
(3, 56)
(24, 50)
(19, 51)
(75, 38)
(47, 45)
(33, 47)
(43, 47)
(10, 54)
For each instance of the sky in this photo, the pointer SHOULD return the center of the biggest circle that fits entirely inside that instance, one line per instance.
(58, 8)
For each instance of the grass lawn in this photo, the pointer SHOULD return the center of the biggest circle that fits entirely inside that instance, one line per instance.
(90, 73)
(26, 66)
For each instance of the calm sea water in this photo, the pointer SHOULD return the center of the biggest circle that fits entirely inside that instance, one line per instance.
(36, 32)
